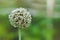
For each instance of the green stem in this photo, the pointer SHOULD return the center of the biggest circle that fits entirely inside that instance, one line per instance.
(19, 33)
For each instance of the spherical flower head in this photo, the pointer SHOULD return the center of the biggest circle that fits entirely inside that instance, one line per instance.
(20, 17)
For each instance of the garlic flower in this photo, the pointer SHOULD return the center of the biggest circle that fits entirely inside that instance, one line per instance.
(20, 17)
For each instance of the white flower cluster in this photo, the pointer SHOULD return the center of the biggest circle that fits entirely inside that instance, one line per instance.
(20, 17)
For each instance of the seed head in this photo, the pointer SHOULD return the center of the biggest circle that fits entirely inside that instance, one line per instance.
(20, 17)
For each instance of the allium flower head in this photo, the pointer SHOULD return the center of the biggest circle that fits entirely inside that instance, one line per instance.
(20, 17)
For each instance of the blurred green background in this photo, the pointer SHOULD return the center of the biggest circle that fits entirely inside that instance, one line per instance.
(39, 28)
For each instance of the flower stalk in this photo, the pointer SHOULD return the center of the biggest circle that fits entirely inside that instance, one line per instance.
(19, 33)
